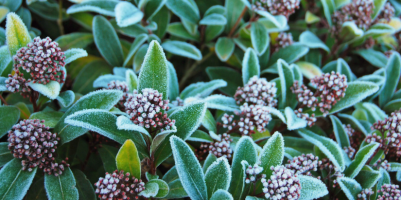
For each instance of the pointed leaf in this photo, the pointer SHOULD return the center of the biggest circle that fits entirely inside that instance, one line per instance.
(309, 70)
(210, 159)
(376, 58)
(139, 40)
(259, 37)
(221, 102)
(221, 195)
(182, 49)
(293, 122)
(154, 71)
(392, 75)
(127, 14)
(16, 32)
(62, 186)
(312, 188)
(184, 10)
(213, 19)
(224, 48)
(289, 54)
(339, 132)
(189, 169)
(272, 154)
(361, 157)
(286, 81)
(104, 80)
(250, 66)
(350, 187)
(173, 87)
(14, 181)
(9, 115)
(218, 176)
(208, 122)
(368, 177)
(202, 89)
(128, 159)
(104, 7)
(132, 80)
(50, 90)
(73, 54)
(312, 41)
(84, 186)
(74, 40)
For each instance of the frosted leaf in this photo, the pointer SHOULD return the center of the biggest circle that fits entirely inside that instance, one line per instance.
(221, 102)
(218, 176)
(214, 136)
(213, 19)
(250, 66)
(182, 49)
(272, 153)
(221, 195)
(127, 14)
(311, 188)
(105, 7)
(103, 81)
(73, 54)
(66, 98)
(62, 186)
(276, 113)
(350, 187)
(189, 169)
(5, 58)
(340, 132)
(330, 148)
(159, 138)
(208, 161)
(200, 136)
(132, 80)
(151, 190)
(394, 167)
(50, 90)
(16, 32)
(202, 89)
(312, 41)
(124, 123)
(120, 71)
(173, 87)
(361, 157)
(293, 122)
(3, 84)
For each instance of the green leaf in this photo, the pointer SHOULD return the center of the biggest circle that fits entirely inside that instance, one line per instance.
(162, 19)
(259, 37)
(107, 41)
(16, 32)
(73, 54)
(187, 120)
(182, 49)
(311, 18)
(392, 105)
(312, 188)
(293, 122)
(93, 119)
(376, 58)
(339, 132)
(173, 87)
(108, 155)
(368, 177)
(200, 136)
(328, 8)
(48, 10)
(250, 65)
(361, 157)
(74, 40)
(350, 32)
(202, 89)
(212, 32)
(15, 182)
(213, 19)
(233, 9)
(177, 29)
(51, 117)
(189, 169)
(5, 59)
(139, 40)
(66, 98)
(312, 41)
(350, 187)
(224, 48)
(221, 102)
(232, 77)
(392, 75)
(209, 122)
(5, 154)
(330, 148)
(84, 186)
(9, 115)
(163, 188)
(289, 54)
(244, 152)
(379, 4)
(218, 176)
(24, 110)
(86, 80)
(127, 14)
(309, 70)
(104, 7)
(221, 195)
(62, 186)
(286, 81)
(50, 90)
(272, 154)
(151, 190)
(154, 71)
(184, 10)
(37, 191)
(127, 159)
(208, 161)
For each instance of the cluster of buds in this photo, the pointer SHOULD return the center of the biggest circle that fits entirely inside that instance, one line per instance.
(365, 194)
(382, 164)
(122, 86)
(277, 7)
(392, 124)
(283, 184)
(42, 59)
(257, 92)
(282, 40)
(305, 96)
(310, 119)
(303, 164)
(219, 148)
(349, 151)
(146, 109)
(251, 117)
(386, 13)
(333, 171)
(119, 185)
(253, 173)
(389, 192)
(355, 137)
(31, 141)
(359, 11)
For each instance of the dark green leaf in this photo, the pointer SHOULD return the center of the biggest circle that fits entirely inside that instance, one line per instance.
(218, 176)
(84, 186)
(392, 75)
(250, 65)
(9, 115)
(62, 186)
(232, 77)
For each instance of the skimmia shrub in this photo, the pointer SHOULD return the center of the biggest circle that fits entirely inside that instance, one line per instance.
(200, 99)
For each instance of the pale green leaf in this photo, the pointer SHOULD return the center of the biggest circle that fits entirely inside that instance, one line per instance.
(127, 159)
(250, 65)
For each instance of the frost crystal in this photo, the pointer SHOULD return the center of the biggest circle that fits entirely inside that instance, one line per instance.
(257, 92)
(119, 185)
(304, 164)
(31, 141)
(42, 59)
(253, 173)
(277, 7)
(389, 192)
(146, 110)
(283, 184)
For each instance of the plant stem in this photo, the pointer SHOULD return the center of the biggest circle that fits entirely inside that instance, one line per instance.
(237, 22)
(60, 17)
(3, 100)
(33, 98)
(188, 73)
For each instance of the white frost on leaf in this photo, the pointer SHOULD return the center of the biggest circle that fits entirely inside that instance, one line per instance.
(66, 98)
(350, 187)
(221, 102)
(132, 80)
(311, 188)
(215, 171)
(73, 54)
(221, 195)
(151, 190)
(202, 89)
(103, 81)
(104, 7)
(3, 84)
(51, 89)
(124, 123)
(293, 122)
(127, 14)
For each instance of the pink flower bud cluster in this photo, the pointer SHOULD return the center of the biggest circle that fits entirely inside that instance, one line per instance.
(251, 117)
(382, 164)
(277, 7)
(283, 184)
(304, 164)
(146, 109)
(389, 192)
(42, 59)
(359, 11)
(282, 40)
(310, 119)
(253, 173)
(31, 141)
(219, 148)
(392, 124)
(365, 194)
(258, 91)
(386, 13)
(355, 137)
(119, 185)
(122, 86)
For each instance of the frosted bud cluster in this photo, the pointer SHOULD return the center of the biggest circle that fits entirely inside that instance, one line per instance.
(253, 173)
(303, 164)
(257, 92)
(283, 184)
